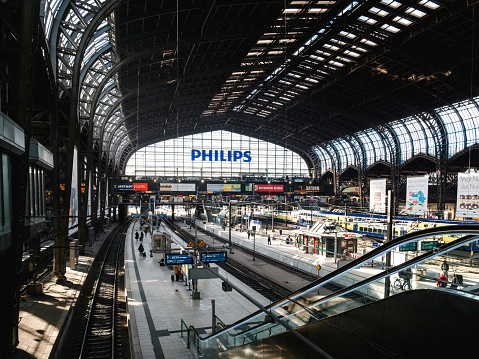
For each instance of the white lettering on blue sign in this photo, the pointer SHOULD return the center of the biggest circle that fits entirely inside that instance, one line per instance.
(220, 155)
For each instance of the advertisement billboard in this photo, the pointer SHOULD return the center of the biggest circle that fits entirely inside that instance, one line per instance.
(268, 188)
(467, 195)
(177, 187)
(226, 187)
(377, 195)
(140, 186)
(73, 222)
(416, 195)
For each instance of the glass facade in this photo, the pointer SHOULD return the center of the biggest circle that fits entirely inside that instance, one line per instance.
(215, 154)
(415, 135)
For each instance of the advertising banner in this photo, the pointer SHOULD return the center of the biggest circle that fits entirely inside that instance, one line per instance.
(227, 187)
(416, 195)
(125, 186)
(140, 186)
(177, 187)
(73, 222)
(467, 195)
(377, 195)
(268, 188)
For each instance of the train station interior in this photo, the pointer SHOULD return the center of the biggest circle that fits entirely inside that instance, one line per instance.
(239, 179)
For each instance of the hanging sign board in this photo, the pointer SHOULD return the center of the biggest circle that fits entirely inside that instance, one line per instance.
(377, 196)
(428, 245)
(178, 259)
(416, 195)
(408, 247)
(213, 257)
(467, 195)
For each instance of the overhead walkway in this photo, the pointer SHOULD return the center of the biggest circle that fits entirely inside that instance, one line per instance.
(305, 308)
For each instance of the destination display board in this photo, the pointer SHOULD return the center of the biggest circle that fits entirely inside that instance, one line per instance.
(408, 247)
(428, 245)
(213, 257)
(172, 259)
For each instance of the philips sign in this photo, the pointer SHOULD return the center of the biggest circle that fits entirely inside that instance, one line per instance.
(220, 155)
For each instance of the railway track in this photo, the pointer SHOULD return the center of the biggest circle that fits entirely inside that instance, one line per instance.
(99, 326)
(260, 284)
(276, 287)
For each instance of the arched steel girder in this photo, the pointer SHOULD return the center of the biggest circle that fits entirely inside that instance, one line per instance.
(378, 163)
(102, 12)
(390, 141)
(461, 153)
(424, 156)
(97, 55)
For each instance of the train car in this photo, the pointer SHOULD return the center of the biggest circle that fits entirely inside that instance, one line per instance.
(376, 227)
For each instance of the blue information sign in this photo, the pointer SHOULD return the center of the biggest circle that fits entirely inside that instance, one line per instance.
(162, 215)
(212, 257)
(178, 259)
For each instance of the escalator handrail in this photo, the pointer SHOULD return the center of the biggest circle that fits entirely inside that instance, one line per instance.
(386, 273)
(471, 229)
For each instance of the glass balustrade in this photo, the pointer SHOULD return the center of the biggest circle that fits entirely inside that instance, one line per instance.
(411, 262)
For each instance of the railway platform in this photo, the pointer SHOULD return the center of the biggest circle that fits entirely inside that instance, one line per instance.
(43, 317)
(156, 304)
(290, 254)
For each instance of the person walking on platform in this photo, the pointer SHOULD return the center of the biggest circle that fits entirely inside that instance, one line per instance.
(137, 235)
(141, 237)
(177, 272)
(248, 234)
(141, 249)
(269, 239)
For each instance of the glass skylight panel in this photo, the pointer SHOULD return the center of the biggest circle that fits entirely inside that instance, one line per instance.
(316, 57)
(347, 34)
(302, 87)
(390, 28)
(291, 11)
(358, 48)
(415, 12)
(402, 21)
(429, 4)
(368, 42)
(351, 53)
(311, 80)
(378, 11)
(469, 113)
(391, 3)
(336, 63)
(343, 59)
(367, 20)
(331, 47)
(317, 10)
(339, 42)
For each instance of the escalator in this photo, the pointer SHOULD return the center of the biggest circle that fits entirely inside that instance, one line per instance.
(380, 320)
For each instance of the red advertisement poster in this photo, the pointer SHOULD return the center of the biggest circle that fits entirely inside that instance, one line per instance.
(268, 188)
(140, 186)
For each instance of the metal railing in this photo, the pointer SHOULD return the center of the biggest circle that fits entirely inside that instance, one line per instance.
(306, 306)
